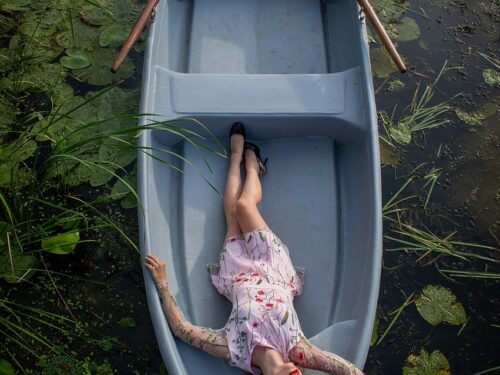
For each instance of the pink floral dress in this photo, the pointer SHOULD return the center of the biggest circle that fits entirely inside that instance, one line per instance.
(256, 274)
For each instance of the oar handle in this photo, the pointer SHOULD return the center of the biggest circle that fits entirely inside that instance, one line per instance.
(379, 28)
(134, 34)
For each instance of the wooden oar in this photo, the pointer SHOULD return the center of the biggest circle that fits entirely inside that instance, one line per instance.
(379, 28)
(134, 34)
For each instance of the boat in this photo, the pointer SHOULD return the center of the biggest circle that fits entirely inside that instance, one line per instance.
(297, 74)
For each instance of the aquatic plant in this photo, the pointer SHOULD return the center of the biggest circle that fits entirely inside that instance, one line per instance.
(427, 364)
(425, 244)
(491, 76)
(417, 116)
(431, 180)
(437, 304)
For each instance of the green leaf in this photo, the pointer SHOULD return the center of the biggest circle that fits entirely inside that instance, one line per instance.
(6, 368)
(381, 62)
(99, 72)
(491, 77)
(437, 304)
(63, 243)
(423, 364)
(76, 59)
(406, 30)
(113, 35)
(401, 134)
(17, 268)
(127, 322)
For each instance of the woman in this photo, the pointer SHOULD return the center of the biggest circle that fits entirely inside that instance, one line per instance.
(263, 334)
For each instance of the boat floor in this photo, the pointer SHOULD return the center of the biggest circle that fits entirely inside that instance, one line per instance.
(300, 204)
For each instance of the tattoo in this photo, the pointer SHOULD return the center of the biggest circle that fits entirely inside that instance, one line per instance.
(307, 355)
(209, 340)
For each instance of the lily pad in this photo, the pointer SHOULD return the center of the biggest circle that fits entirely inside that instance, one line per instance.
(15, 5)
(400, 134)
(17, 268)
(406, 30)
(6, 368)
(396, 85)
(12, 155)
(99, 72)
(113, 35)
(121, 191)
(63, 243)
(425, 364)
(389, 10)
(491, 77)
(75, 59)
(381, 62)
(389, 155)
(476, 118)
(473, 118)
(105, 12)
(78, 35)
(127, 322)
(437, 304)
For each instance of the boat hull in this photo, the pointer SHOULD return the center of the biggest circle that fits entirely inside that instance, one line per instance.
(314, 118)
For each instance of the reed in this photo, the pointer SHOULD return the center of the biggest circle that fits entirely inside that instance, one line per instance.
(425, 244)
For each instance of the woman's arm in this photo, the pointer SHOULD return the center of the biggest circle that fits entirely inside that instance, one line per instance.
(211, 341)
(309, 356)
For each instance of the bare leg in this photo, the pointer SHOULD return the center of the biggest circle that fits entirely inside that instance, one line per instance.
(309, 356)
(248, 215)
(234, 186)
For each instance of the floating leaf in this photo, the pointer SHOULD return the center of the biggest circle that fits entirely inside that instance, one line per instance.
(382, 64)
(491, 77)
(396, 85)
(406, 30)
(437, 304)
(99, 72)
(76, 34)
(6, 368)
(400, 134)
(389, 10)
(127, 322)
(423, 364)
(15, 267)
(63, 243)
(476, 118)
(389, 155)
(121, 191)
(113, 35)
(469, 118)
(76, 59)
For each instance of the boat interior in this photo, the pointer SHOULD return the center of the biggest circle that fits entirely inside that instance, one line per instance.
(293, 73)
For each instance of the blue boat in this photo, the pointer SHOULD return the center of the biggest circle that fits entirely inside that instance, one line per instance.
(297, 74)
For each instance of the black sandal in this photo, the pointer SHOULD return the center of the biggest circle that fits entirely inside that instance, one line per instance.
(256, 150)
(237, 128)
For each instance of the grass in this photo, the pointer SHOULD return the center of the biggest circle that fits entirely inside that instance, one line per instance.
(426, 244)
(417, 116)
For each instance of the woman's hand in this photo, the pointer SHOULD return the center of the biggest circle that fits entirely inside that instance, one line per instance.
(157, 268)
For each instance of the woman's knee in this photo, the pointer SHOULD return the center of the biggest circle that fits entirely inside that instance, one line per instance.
(244, 207)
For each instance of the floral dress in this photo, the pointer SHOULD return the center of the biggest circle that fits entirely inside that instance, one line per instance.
(256, 274)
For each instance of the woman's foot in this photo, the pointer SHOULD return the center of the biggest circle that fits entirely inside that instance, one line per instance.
(253, 159)
(237, 140)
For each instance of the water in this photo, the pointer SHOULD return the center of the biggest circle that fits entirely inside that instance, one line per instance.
(466, 199)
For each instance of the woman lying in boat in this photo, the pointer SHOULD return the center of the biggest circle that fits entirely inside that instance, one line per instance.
(263, 333)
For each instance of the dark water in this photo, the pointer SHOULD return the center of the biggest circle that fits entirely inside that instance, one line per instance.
(466, 199)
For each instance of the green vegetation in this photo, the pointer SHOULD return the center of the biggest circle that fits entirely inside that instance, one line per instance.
(425, 364)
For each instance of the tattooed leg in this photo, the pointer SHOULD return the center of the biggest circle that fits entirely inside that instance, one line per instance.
(309, 356)
(211, 341)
